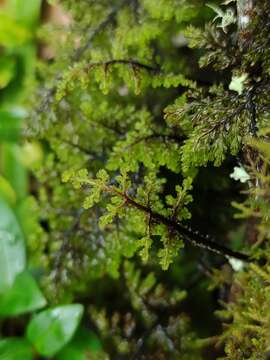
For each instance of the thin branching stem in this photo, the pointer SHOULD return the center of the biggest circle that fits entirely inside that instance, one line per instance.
(130, 62)
(193, 237)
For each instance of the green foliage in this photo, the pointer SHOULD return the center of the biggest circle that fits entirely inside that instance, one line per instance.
(51, 329)
(82, 345)
(20, 293)
(14, 349)
(12, 256)
(246, 336)
(148, 204)
(214, 127)
(22, 297)
(137, 131)
(227, 17)
(104, 115)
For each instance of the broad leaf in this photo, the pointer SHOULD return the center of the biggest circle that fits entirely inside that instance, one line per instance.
(24, 12)
(52, 329)
(10, 125)
(12, 250)
(7, 69)
(6, 191)
(13, 169)
(11, 33)
(22, 297)
(81, 347)
(15, 349)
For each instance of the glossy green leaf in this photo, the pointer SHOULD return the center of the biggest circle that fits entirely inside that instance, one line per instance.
(10, 125)
(15, 349)
(52, 329)
(7, 69)
(12, 250)
(80, 348)
(22, 297)
(13, 169)
(11, 33)
(6, 191)
(24, 12)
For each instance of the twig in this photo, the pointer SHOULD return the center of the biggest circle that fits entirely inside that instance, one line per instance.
(193, 237)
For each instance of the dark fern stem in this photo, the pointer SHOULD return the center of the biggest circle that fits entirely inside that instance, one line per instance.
(133, 63)
(251, 107)
(189, 235)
